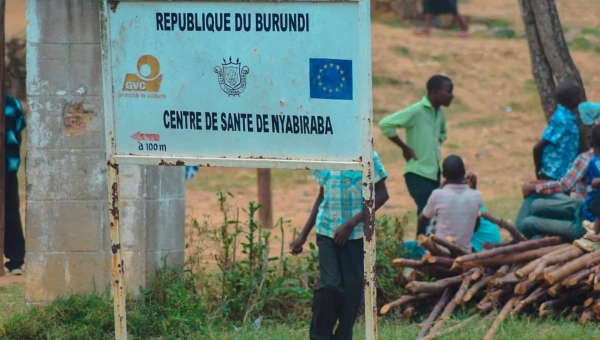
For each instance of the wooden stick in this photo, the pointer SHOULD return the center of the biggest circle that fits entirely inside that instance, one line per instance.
(475, 288)
(502, 270)
(449, 309)
(534, 296)
(464, 287)
(587, 316)
(509, 279)
(552, 304)
(408, 263)
(485, 306)
(538, 272)
(518, 257)
(434, 314)
(524, 287)
(409, 311)
(444, 262)
(455, 249)
(459, 326)
(527, 269)
(402, 301)
(574, 279)
(507, 308)
(418, 287)
(519, 247)
(511, 228)
(493, 245)
(433, 248)
(571, 267)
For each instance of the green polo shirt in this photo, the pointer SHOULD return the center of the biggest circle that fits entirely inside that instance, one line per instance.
(425, 131)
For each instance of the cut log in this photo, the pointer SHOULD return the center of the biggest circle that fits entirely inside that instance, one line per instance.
(552, 304)
(502, 270)
(538, 272)
(548, 312)
(518, 257)
(505, 310)
(444, 262)
(574, 279)
(571, 267)
(509, 279)
(419, 287)
(464, 287)
(511, 228)
(527, 269)
(496, 295)
(432, 247)
(515, 248)
(475, 288)
(406, 299)
(518, 309)
(455, 249)
(435, 313)
(534, 296)
(524, 287)
(483, 307)
(493, 245)
(409, 311)
(587, 316)
(408, 263)
(449, 309)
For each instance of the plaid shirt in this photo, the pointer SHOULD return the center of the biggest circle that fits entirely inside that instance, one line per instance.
(343, 198)
(575, 178)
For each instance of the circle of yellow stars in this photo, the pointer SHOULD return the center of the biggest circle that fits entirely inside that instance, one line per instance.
(331, 65)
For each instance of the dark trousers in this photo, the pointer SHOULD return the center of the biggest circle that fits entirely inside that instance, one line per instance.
(340, 292)
(420, 188)
(14, 242)
(556, 215)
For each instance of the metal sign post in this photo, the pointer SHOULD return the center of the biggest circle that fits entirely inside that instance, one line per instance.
(261, 84)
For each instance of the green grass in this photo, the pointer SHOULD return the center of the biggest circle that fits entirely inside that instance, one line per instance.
(12, 300)
(584, 44)
(243, 179)
(512, 329)
(402, 50)
(481, 122)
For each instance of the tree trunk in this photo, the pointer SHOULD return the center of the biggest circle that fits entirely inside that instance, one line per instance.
(2, 130)
(265, 214)
(550, 56)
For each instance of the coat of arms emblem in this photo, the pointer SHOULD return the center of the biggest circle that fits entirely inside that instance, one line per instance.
(232, 77)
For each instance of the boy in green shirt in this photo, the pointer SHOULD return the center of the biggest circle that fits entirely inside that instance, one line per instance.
(425, 125)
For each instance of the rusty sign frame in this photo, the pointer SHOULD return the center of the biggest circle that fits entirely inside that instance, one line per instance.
(364, 163)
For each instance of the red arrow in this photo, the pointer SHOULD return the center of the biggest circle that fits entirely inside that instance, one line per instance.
(138, 136)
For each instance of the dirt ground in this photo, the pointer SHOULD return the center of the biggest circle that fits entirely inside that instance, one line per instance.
(493, 123)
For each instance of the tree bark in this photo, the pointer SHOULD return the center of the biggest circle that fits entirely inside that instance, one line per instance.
(2, 130)
(500, 319)
(571, 267)
(434, 314)
(550, 56)
(419, 287)
(511, 228)
(265, 214)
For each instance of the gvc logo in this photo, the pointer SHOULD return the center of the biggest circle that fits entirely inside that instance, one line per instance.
(148, 78)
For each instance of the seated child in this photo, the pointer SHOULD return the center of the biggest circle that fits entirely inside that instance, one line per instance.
(565, 216)
(455, 207)
(557, 149)
(589, 112)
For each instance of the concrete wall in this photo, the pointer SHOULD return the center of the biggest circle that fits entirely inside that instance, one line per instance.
(68, 238)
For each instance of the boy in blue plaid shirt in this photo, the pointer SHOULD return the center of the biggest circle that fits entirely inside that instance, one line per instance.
(338, 214)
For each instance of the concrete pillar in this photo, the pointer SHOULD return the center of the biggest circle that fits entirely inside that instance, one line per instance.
(68, 238)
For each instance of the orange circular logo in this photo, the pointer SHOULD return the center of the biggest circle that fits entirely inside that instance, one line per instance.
(148, 67)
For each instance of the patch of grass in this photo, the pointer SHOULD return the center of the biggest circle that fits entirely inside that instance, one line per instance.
(402, 50)
(591, 31)
(529, 106)
(583, 44)
(379, 81)
(499, 23)
(481, 122)
(392, 23)
(450, 146)
(530, 86)
(12, 300)
(502, 29)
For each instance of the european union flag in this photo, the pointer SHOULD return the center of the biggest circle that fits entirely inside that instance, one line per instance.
(330, 79)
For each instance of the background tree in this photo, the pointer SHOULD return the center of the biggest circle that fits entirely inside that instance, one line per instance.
(551, 61)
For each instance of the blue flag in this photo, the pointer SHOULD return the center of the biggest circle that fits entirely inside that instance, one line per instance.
(330, 79)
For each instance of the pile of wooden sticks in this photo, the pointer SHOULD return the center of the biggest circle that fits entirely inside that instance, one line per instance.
(546, 276)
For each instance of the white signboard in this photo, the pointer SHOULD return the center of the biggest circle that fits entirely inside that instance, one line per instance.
(280, 84)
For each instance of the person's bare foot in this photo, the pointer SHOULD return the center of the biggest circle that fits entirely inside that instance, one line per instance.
(464, 33)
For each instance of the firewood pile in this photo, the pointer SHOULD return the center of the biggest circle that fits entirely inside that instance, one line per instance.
(545, 276)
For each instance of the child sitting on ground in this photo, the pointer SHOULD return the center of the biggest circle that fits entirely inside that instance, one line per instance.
(557, 149)
(455, 207)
